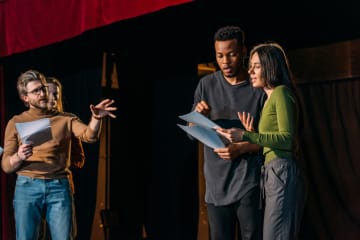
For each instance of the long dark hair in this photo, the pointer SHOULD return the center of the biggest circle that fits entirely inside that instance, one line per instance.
(275, 65)
(276, 71)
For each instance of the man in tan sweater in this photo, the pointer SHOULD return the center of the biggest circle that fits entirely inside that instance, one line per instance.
(42, 183)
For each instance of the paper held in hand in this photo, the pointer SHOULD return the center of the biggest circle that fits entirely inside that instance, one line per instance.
(203, 130)
(35, 132)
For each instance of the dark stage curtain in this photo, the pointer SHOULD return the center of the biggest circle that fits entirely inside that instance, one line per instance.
(329, 82)
(331, 156)
(6, 181)
(29, 25)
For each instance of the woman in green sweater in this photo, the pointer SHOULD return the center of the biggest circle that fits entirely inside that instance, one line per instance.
(277, 133)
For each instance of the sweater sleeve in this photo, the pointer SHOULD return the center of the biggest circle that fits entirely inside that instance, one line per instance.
(77, 153)
(84, 132)
(10, 146)
(277, 127)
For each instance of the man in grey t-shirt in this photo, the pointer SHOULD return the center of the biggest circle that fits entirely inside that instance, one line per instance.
(232, 174)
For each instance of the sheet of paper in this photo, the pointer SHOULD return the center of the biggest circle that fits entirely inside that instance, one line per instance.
(207, 136)
(198, 119)
(203, 130)
(35, 132)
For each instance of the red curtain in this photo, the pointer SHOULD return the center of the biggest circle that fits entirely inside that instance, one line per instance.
(25, 25)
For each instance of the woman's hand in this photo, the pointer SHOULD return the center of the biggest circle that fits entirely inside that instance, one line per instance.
(247, 121)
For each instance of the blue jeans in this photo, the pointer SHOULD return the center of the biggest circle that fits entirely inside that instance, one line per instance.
(34, 198)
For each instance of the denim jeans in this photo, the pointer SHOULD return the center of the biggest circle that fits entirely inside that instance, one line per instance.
(36, 197)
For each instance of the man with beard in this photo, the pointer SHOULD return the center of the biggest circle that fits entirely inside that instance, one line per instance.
(42, 184)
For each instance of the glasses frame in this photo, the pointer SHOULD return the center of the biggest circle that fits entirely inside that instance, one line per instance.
(37, 91)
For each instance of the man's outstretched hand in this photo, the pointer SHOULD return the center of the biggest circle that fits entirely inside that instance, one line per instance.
(103, 109)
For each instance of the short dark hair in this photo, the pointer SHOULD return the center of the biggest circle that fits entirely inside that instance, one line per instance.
(230, 32)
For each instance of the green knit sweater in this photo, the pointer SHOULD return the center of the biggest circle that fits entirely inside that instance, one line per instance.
(277, 125)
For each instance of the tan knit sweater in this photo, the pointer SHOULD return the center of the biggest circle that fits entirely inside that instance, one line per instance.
(51, 159)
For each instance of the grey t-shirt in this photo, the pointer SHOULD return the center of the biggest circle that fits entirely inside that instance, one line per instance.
(227, 181)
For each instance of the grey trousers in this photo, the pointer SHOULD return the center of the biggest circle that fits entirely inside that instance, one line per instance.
(285, 196)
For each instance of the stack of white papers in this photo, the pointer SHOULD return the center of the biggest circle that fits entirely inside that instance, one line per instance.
(35, 132)
(203, 130)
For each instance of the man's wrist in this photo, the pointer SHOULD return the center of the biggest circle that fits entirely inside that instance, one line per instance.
(97, 118)
(15, 162)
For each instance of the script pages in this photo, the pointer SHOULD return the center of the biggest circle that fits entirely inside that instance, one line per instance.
(203, 130)
(34, 132)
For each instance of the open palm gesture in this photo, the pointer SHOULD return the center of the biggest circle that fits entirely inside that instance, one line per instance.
(103, 109)
(247, 121)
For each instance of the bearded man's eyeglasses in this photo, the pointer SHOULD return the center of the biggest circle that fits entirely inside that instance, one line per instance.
(37, 91)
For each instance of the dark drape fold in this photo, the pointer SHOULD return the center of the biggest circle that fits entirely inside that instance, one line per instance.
(6, 181)
(328, 78)
(331, 156)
